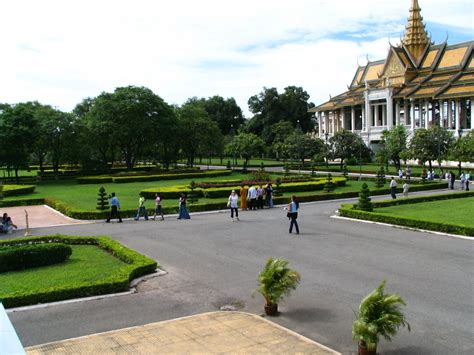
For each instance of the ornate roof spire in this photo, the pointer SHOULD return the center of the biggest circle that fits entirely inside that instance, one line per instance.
(416, 39)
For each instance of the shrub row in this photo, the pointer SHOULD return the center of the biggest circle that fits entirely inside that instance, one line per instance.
(25, 202)
(158, 177)
(137, 265)
(220, 192)
(349, 211)
(29, 256)
(233, 183)
(419, 199)
(15, 190)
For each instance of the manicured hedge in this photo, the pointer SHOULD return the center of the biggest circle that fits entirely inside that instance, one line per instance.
(29, 256)
(15, 190)
(350, 210)
(95, 180)
(211, 173)
(24, 202)
(137, 265)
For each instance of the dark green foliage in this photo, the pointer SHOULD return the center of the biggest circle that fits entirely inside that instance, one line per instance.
(1, 190)
(379, 315)
(365, 203)
(329, 186)
(192, 197)
(380, 178)
(228, 166)
(15, 190)
(102, 201)
(261, 176)
(345, 172)
(286, 168)
(29, 256)
(138, 265)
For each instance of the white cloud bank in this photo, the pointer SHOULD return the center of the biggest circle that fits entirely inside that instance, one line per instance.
(59, 52)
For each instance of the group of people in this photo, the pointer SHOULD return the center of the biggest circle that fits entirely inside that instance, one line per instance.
(464, 179)
(393, 188)
(7, 225)
(255, 198)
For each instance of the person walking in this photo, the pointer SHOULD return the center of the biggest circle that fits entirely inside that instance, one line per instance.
(269, 195)
(452, 179)
(400, 173)
(141, 208)
(114, 208)
(393, 188)
(405, 189)
(232, 203)
(292, 214)
(183, 211)
(7, 224)
(462, 178)
(158, 209)
(260, 193)
(468, 180)
(408, 172)
(243, 198)
(252, 197)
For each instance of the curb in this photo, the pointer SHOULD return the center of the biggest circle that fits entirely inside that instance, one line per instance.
(132, 290)
(403, 227)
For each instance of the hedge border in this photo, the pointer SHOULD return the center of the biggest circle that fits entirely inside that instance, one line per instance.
(15, 190)
(137, 265)
(350, 210)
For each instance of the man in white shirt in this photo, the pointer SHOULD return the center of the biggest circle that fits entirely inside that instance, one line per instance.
(393, 188)
(252, 197)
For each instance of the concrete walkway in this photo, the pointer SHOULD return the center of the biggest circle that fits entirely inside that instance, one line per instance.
(38, 216)
(209, 333)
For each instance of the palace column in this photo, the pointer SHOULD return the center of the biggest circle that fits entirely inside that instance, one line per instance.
(326, 122)
(427, 113)
(457, 116)
(376, 115)
(384, 115)
(397, 112)
(333, 122)
(343, 118)
(363, 123)
(406, 112)
(389, 113)
(320, 124)
(412, 115)
(472, 112)
(441, 113)
(353, 118)
(450, 114)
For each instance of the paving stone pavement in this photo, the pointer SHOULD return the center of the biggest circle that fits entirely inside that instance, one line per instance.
(209, 333)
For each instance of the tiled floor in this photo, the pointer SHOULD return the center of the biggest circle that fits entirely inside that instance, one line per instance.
(209, 333)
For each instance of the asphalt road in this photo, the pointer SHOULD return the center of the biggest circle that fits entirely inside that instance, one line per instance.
(212, 261)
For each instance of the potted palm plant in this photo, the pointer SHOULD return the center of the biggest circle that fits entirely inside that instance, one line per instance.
(379, 315)
(276, 280)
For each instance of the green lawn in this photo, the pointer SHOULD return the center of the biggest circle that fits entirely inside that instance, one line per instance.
(455, 211)
(86, 264)
(83, 197)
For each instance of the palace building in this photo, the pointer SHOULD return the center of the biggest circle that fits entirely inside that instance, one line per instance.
(419, 84)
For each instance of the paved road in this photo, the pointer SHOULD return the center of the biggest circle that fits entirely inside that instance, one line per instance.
(212, 262)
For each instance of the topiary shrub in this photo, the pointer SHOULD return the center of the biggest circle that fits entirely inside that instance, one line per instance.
(261, 176)
(329, 185)
(102, 201)
(380, 178)
(22, 257)
(365, 203)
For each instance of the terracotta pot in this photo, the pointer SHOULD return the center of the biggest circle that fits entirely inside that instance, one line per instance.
(271, 310)
(363, 350)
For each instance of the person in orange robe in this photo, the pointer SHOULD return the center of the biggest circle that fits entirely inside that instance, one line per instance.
(243, 198)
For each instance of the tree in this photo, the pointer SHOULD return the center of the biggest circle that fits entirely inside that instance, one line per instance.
(132, 117)
(301, 146)
(269, 107)
(431, 144)
(463, 150)
(380, 178)
(225, 112)
(394, 143)
(345, 144)
(365, 203)
(246, 145)
(102, 201)
(329, 185)
(17, 135)
(199, 134)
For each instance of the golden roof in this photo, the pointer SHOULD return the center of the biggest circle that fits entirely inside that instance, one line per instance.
(452, 57)
(429, 59)
(416, 39)
(373, 71)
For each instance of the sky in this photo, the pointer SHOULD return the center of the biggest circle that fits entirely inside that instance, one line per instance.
(59, 52)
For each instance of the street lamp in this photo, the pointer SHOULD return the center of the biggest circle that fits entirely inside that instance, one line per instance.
(326, 135)
(360, 155)
(232, 132)
(459, 164)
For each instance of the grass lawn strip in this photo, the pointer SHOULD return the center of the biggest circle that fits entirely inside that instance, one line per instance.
(98, 266)
(455, 211)
(88, 263)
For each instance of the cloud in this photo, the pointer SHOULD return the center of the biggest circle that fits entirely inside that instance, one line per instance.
(59, 52)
